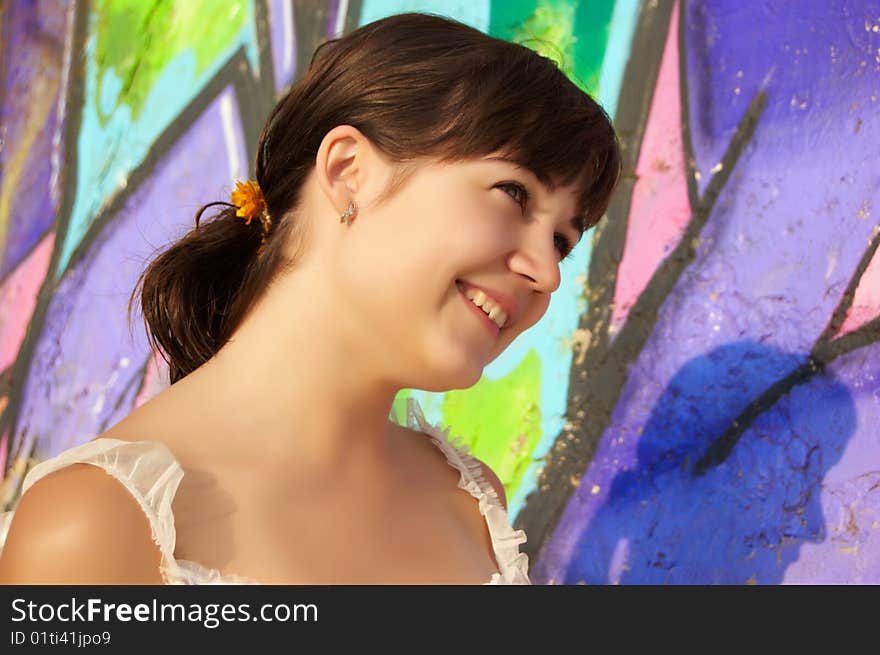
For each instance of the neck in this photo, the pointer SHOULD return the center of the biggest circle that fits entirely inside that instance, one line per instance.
(295, 391)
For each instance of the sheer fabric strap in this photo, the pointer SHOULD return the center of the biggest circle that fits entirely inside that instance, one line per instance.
(513, 565)
(147, 469)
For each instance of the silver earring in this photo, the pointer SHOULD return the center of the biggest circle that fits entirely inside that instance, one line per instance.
(345, 218)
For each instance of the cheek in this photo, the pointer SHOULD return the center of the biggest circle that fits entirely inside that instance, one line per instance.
(536, 312)
(472, 217)
(528, 320)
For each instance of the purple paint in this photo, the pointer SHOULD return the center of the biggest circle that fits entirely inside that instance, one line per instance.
(807, 56)
(34, 37)
(332, 13)
(850, 492)
(283, 37)
(782, 242)
(86, 366)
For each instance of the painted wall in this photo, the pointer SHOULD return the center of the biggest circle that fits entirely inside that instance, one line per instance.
(699, 402)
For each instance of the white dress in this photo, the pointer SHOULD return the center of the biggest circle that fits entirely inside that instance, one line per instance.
(150, 472)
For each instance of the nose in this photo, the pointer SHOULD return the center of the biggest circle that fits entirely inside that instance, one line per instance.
(538, 260)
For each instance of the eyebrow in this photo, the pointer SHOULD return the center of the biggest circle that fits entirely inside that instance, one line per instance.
(576, 222)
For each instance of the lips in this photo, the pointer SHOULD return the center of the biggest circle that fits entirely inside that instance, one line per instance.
(506, 302)
(490, 325)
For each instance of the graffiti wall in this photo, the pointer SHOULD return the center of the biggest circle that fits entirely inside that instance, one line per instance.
(699, 403)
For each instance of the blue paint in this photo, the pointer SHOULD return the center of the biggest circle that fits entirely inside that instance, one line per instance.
(745, 519)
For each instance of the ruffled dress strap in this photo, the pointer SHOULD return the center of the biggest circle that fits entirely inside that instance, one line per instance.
(147, 469)
(513, 565)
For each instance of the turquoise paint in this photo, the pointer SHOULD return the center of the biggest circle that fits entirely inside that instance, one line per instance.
(550, 338)
(107, 155)
(471, 12)
(111, 85)
(566, 309)
(623, 25)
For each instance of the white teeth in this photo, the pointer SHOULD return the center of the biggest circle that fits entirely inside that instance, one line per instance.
(497, 315)
(487, 305)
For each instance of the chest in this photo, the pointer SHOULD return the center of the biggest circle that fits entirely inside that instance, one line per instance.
(433, 534)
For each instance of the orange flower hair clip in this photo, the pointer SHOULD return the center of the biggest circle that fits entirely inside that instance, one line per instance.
(251, 203)
(248, 197)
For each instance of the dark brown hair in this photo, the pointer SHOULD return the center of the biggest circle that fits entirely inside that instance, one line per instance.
(420, 87)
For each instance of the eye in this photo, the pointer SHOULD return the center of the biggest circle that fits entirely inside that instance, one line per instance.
(521, 196)
(565, 248)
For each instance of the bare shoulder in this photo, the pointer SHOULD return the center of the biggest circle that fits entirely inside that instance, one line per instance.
(493, 479)
(79, 525)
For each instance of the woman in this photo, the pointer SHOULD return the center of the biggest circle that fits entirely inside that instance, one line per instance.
(415, 192)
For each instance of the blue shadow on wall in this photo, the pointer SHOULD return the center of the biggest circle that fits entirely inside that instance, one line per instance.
(744, 519)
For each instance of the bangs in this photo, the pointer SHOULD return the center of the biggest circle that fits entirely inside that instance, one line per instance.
(547, 125)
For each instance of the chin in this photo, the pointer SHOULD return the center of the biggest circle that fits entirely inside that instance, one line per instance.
(448, 380)
(452, 372)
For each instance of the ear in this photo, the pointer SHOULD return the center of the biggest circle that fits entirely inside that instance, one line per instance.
(345, 166)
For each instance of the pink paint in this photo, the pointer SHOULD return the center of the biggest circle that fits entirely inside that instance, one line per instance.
(866, 303)
(155, 380)
(660, 210)
(18, 298)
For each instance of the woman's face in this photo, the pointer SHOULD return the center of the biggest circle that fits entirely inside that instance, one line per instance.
(406, 266)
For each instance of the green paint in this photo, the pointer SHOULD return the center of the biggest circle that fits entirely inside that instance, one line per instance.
(398, 406)
(137, 38)
(500, 420)
(571, 33)
(592, 27)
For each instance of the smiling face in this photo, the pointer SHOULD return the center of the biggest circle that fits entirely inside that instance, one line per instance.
(406, 267)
